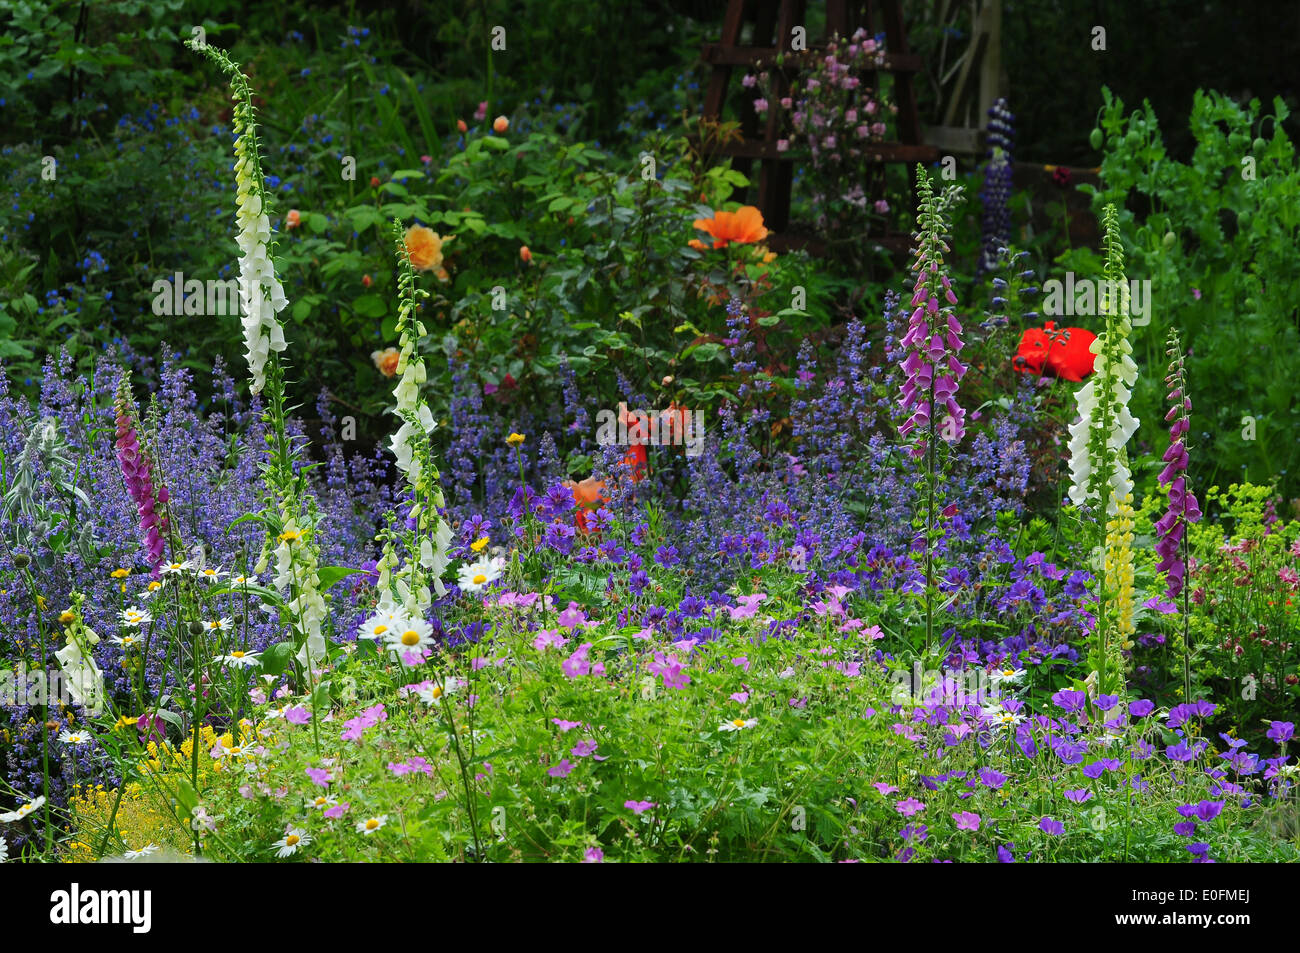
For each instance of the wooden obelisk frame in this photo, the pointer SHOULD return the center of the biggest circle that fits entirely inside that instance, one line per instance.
(773, 29)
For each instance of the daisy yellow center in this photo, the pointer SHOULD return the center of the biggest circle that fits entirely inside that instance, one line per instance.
(479, 579)
(320, 801)
(292, 840)
(739, 722)
(371, 824)
(436, 691)
(380, 629)
(236, 654)
(410, 637)
(1008, 672)
(153, 586)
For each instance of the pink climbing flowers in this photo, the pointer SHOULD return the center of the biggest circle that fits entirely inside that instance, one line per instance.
(138, 472)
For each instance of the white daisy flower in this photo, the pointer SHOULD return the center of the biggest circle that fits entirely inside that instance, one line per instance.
(74, 737)
(371, 824)
(144, 851)
(382, 624)
(434, 691)
(125, 641)
(219, 625)
(999, 717)
(241, 659)
(23, 811)
(738, 724)
(242, 580)
(1007, 674)
(135, 616)
(211, 574)
(175, 569)
(321, 801)
(414, 636)
(479, 575)
(294, 838)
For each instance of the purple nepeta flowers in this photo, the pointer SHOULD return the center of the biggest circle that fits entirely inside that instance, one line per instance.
(137, 471)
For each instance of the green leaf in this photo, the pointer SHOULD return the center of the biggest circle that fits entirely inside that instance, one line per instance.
(371, 306)
(276, 658)
(705, 352)
(329, 575)
(170, 717)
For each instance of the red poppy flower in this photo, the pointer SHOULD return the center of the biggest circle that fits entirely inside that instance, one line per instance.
(1065, 352)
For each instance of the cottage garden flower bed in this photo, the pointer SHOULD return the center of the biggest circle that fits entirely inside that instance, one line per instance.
(573, 672)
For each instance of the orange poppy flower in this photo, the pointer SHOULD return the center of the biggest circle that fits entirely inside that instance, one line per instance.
(743, 226)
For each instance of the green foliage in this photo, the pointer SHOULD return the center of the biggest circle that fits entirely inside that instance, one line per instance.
(1216, 237)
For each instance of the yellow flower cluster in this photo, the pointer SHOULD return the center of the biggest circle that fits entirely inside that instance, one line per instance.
(142, 819)
(1119, 567)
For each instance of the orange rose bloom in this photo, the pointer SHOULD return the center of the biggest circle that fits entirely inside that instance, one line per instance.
(386, 360)
(292, 219)
(425, 248)
(500, 124)
(743, 226)
(524, 254)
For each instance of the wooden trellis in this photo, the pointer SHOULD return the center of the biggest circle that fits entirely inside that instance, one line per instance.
(773, 30)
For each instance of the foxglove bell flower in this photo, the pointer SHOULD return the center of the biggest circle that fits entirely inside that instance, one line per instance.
(297, 576)
(1119, 568)
(137, 471)
(1183, 508)
(1098, 465)
(260, 293)
(932, 341)
(413, 451)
